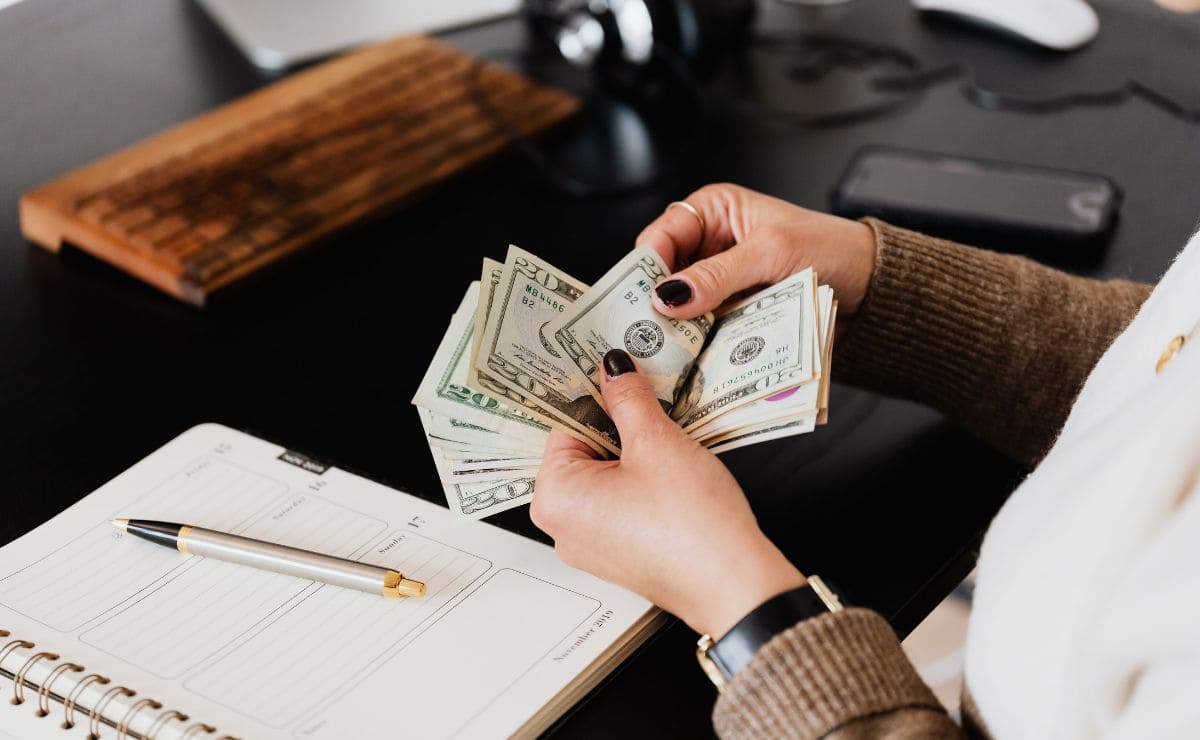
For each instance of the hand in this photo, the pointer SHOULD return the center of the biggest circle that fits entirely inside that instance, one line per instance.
(751, 239)
(667, 520)
(1180, 6)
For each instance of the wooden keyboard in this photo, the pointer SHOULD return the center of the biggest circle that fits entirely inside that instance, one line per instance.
(212, 200)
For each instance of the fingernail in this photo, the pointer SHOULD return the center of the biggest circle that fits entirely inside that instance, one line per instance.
(617, 362)
(674, 292)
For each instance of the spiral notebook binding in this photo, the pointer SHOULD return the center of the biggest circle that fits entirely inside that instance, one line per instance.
(95, 717)
(19, 680)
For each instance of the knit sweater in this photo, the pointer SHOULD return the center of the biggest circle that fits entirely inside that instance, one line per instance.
(1002, 346)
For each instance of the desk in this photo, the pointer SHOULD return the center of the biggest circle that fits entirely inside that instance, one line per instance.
(888, 500)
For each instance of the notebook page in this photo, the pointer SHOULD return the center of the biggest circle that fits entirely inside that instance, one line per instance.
(503, 627)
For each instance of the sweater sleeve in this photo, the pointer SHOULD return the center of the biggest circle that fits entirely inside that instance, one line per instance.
(998, 343)
(840, 676)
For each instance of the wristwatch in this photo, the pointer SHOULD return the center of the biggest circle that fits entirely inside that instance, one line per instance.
(722, 659)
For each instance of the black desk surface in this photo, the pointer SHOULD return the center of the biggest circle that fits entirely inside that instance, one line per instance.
(97, 370)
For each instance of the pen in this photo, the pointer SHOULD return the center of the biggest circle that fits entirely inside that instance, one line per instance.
(276, 558)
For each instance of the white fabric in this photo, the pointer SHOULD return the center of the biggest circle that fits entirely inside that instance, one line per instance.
(1086, 621)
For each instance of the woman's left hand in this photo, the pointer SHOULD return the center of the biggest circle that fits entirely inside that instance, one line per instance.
(667, 520)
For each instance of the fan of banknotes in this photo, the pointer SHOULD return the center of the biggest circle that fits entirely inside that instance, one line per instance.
(523, 352)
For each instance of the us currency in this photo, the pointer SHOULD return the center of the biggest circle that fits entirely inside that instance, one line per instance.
(446, 432)
(479, 499)
(616, 312)
(827, 308)
(500, 470)
(444, 389)
(759, 347)
(465, 459)
(824, 336)
(447, 476)
(522, 354)
(493, 271)
(518, 354)
(468, 463)
(763, 433)
(786, 414)
(489, 280)
(788, 404)
(795, 402)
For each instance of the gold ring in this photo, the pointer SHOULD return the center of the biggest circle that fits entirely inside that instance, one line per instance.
(690, 209)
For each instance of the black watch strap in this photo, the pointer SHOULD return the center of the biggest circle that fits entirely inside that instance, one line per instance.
(733, 652)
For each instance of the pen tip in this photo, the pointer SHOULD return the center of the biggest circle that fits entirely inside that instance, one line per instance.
(120, 524)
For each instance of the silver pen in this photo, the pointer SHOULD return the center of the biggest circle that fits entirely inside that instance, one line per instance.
(290, 561)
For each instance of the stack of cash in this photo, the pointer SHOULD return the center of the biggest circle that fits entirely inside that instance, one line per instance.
(523, 354)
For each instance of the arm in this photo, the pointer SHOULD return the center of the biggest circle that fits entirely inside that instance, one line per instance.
(669, 521)
(999, 343)
(838, 676)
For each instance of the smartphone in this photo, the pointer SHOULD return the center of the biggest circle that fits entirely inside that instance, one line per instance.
(1003, 205)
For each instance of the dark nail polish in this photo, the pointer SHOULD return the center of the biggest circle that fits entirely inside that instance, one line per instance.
(617, 362)
(674, 292)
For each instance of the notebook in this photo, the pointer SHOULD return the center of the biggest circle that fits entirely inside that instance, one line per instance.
(125, 638)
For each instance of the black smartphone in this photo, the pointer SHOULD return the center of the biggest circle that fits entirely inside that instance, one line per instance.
(995, 204)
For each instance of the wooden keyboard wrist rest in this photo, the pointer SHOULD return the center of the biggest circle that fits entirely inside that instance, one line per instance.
(222, 195)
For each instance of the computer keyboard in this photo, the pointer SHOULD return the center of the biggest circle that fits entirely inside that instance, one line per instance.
(209, 202)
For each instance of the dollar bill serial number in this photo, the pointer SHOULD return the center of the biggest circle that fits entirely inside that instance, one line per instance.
(751, 373)
(535, 296)
(686, 332)
(634, 294)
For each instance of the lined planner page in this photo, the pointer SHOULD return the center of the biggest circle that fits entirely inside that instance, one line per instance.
(103, 573)
(503, 627)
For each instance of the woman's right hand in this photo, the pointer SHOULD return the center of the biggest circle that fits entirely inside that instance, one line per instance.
(749, 240)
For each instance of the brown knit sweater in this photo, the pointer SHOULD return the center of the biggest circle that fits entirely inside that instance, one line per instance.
(1001, 345)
